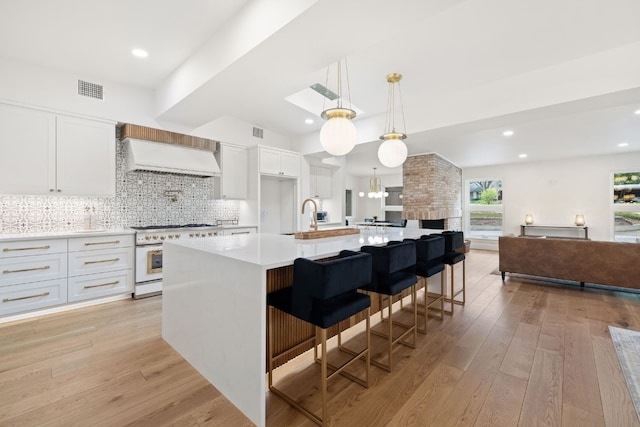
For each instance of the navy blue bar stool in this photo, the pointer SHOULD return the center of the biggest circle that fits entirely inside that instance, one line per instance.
(430, 261)
(453, 243)
(324, 294)
(390, 277)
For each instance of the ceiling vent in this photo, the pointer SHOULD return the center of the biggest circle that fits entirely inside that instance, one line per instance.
(257, 132)
(91, 90)
(327, 93)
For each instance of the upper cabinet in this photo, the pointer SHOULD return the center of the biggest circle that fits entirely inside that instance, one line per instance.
(320, 182)
(47, 153)
(233, 180)
(279, 162)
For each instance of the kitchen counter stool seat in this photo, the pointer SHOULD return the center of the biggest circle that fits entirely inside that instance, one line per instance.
(324, 294)
(390, 277)
(430, 261)
(454, 241)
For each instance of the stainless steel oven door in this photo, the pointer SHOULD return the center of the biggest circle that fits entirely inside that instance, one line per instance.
(148, 263)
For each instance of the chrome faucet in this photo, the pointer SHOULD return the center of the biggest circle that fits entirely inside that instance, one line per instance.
(314, 224)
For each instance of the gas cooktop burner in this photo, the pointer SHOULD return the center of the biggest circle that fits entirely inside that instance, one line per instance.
(162, 227)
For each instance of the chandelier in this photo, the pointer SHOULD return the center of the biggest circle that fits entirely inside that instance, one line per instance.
(393, 152)
(375, 187)
(338, 134)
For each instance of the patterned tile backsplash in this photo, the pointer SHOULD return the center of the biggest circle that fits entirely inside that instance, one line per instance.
(139, 201)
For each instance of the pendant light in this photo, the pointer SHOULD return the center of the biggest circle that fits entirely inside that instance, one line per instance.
(393, 151)
(338, 134)
(375, 187)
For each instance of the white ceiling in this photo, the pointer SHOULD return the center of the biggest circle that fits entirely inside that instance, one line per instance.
(563, 75)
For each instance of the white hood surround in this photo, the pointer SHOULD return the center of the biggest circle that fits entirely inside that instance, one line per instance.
(169, 158)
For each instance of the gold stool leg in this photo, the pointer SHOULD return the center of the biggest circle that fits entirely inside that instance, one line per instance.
(323, 338)
(426, 306)
(390, 335)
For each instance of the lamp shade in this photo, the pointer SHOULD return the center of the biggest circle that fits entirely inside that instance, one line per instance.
(392, 153)
(580, 220)
(338, 135)
(528, 219)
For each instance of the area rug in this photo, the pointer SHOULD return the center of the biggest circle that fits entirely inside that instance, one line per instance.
(627, 345)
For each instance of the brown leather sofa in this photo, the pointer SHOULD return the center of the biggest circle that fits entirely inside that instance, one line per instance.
(584, 261)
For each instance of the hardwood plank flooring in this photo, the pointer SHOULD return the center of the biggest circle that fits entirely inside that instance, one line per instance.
(523, 352)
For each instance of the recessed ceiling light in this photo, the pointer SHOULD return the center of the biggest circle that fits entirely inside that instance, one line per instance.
(507, 133)
(637, 112)
(522, 156)
(308, 121)
(623, 144)
(140, 53)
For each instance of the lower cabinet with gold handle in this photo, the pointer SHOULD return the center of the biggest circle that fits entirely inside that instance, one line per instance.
(32, 296)
(98, 285)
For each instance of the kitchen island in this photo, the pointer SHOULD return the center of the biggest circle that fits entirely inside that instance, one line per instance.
(214, 302)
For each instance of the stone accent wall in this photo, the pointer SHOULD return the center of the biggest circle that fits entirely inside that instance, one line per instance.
(432, 189)
(139, 201)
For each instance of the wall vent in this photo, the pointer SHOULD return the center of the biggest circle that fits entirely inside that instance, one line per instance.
(257, 132)
(91, 90)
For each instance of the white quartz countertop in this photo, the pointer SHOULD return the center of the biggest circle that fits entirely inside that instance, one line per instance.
(7, 237)
(274, 250)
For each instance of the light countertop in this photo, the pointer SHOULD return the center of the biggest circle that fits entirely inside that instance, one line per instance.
(275, 250)
(64, 234)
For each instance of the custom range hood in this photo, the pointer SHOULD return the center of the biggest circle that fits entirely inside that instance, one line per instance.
(172, 155)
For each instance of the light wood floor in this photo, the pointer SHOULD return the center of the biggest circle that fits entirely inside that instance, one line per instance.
(520, 353)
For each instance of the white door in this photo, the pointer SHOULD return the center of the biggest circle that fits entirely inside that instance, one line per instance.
(269, 161)
(290, 164)
(86, 157)
(27, 151)
(234, 172)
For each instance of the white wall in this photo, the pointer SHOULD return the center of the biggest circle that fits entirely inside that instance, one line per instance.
(555, 191)
(58, 90)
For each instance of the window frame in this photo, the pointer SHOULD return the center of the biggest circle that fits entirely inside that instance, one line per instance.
(498, 208)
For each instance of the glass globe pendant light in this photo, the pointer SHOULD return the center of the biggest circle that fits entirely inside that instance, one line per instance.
(338, 134)
(393, 151)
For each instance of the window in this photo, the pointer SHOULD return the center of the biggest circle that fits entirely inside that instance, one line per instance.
(626, 206)
(484, 208)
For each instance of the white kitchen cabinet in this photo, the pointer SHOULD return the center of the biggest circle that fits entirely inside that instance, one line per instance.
(47, 153)
(32, 296)
(27, 150)
(33, 275)
(278, 162)
(234, 165)
(320, 182)
(86, 157)
(100, 266)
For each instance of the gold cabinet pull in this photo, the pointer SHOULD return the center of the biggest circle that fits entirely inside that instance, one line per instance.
(102, 260)
(46, 267)
(27, 297)
(113, 242)
(26, 249)
(102, 284)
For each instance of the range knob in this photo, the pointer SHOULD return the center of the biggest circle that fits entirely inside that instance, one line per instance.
(155, 237)
(190, 234)
(147, 237)
(178, 236)
(162, 237)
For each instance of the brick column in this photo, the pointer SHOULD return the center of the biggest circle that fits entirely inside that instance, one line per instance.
(432, 189)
